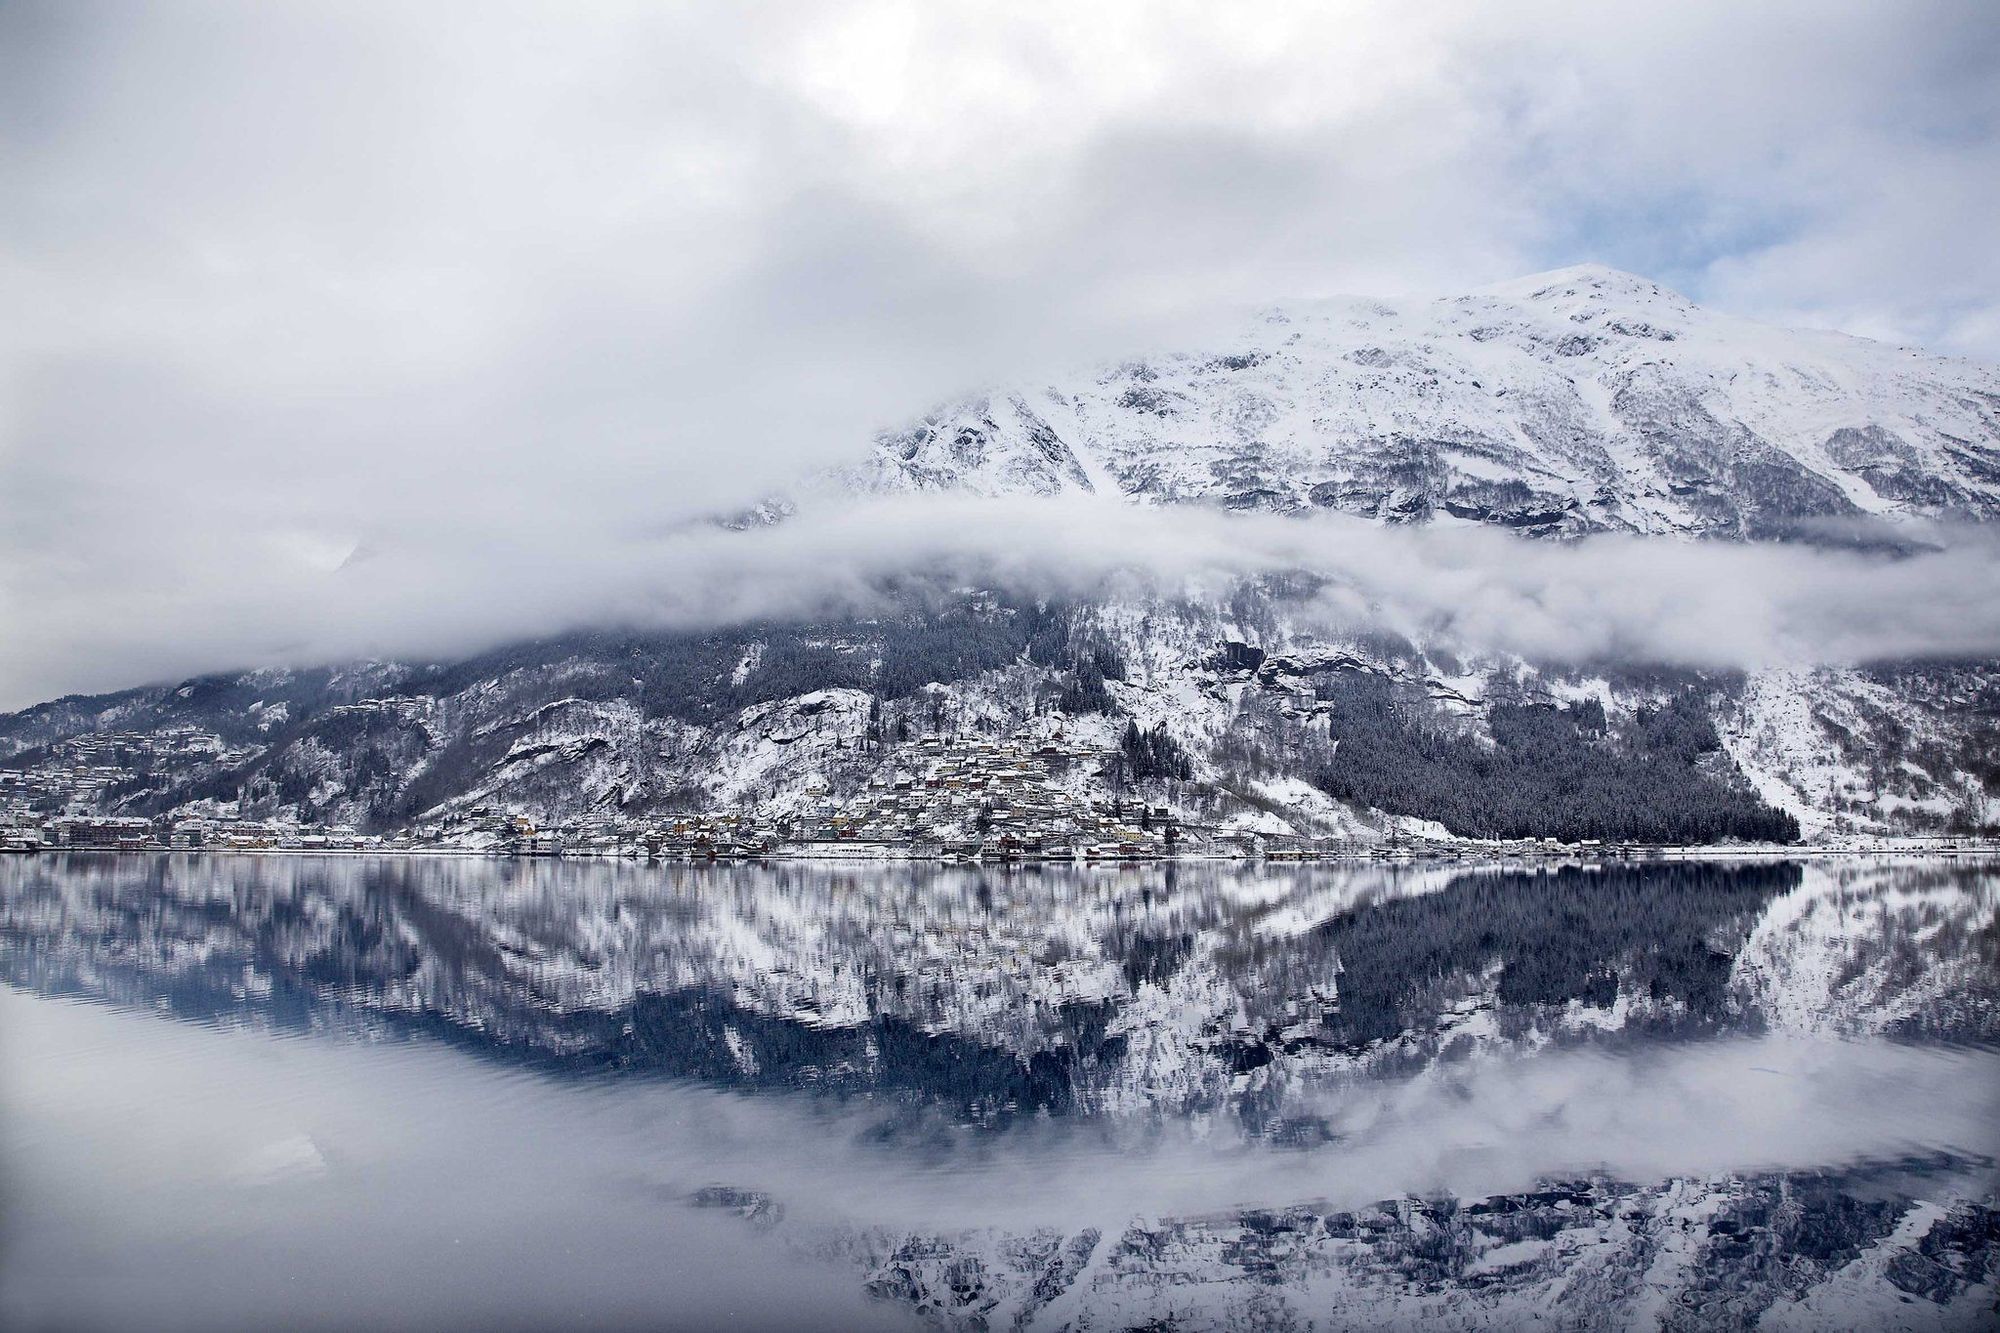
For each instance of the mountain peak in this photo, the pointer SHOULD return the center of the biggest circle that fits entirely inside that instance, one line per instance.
(1578, 400)
(1577, 283)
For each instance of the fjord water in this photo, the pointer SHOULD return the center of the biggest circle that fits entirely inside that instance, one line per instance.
(438, 1092)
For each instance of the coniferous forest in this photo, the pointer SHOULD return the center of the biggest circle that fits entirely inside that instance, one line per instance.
(1550, 771)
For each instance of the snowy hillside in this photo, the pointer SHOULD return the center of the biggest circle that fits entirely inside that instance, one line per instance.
(1287, 730)
(1579, 400)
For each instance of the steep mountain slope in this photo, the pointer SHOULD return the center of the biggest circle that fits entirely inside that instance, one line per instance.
(1580, 400)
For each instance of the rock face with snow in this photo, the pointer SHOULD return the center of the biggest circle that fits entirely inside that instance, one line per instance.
(1580, 400)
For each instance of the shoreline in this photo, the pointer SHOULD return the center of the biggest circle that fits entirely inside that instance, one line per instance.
(1469, 854)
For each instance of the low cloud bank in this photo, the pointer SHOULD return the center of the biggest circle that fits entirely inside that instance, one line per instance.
(1702, 604)
(501, 298)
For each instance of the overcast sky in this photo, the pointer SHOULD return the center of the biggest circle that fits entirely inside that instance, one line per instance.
(530, 284)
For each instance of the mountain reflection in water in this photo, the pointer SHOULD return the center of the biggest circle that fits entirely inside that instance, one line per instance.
(1204, 1093)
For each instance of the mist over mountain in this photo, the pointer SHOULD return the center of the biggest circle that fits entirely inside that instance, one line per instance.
(1568, 557)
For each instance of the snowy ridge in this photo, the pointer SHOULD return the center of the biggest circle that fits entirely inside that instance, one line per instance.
(1579, 400)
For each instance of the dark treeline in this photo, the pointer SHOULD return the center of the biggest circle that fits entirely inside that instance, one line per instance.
(1061, 640)
(1149, 756)
(1550, 772)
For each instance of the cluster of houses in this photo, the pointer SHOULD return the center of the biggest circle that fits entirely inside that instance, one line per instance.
(943, 796)
(1021, 797)
(484, 828)
(132, 833)
(990, 797)
(83, 772)
(83, 776)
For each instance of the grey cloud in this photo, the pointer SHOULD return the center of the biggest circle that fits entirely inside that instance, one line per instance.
(1716, 605)
(515, 286)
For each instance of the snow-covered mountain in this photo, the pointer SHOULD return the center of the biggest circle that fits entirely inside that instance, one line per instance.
(1566, 403)
(1579, 400)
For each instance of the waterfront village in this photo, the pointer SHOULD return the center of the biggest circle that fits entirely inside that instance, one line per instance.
(958, 797)
(955, 798)
(952, 797)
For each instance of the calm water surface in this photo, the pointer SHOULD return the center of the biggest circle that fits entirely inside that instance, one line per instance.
(424, 1093)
